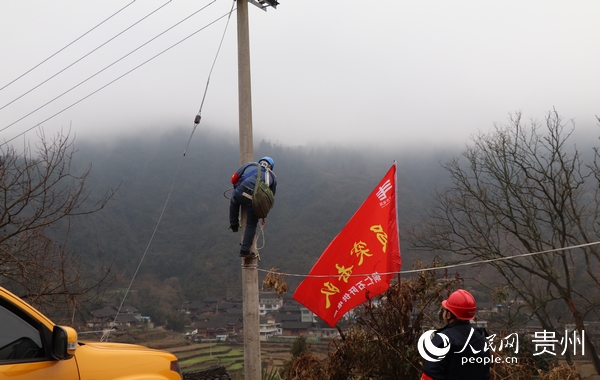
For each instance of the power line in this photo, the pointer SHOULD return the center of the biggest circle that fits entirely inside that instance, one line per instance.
(198, 115)
(106, 85)
(106, 67)
(69, 44)
(80, 59)
(505, 258)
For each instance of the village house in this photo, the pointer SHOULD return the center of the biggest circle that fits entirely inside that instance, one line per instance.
(269, 303)
(269, 328)
(293, 328)
(219, 326)
(109, 317)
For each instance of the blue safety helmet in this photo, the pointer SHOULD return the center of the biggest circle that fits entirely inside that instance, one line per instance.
(269, 160)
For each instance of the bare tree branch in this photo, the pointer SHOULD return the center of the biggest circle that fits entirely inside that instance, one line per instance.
(518, 190)
(39, 189)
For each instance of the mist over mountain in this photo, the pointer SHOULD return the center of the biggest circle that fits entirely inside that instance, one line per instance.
(192, 251)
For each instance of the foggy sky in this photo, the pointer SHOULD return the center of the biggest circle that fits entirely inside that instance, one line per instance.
(343, 71)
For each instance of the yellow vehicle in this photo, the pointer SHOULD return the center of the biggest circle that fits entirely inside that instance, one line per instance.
(32, 347)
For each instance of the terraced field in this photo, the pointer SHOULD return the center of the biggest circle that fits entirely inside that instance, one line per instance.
(205, 355)
(200, 356)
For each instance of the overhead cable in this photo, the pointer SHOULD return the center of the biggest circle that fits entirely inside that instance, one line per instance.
(107, 67)
(86, 55)
(106, 85)
(69, 44)
(504, 258)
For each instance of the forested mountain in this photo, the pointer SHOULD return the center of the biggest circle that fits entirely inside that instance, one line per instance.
(522, 200)
(193, 254)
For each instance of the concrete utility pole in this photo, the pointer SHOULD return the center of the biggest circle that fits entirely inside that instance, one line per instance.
(252, 361)
(244, 86)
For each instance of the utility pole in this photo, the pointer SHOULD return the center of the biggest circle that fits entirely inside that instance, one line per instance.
(244, 85)
(252, 360)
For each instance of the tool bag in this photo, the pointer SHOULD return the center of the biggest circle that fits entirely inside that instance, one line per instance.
(262, 196)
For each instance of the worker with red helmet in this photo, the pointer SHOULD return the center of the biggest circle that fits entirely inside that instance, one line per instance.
(465, 354)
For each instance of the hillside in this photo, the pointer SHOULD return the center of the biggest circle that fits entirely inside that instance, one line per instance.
(193, 254)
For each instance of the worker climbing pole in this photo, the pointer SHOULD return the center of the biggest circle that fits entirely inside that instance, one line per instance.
(254, 186)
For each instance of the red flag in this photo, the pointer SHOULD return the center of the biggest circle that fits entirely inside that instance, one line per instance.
(361, 260)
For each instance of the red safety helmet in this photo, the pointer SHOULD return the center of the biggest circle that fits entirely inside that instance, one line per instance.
(462, 304)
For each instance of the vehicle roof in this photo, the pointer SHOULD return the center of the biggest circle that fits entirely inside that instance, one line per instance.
(27, 308)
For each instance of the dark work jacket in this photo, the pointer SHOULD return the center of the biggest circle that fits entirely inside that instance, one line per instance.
(244, 178)
(451, 367)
